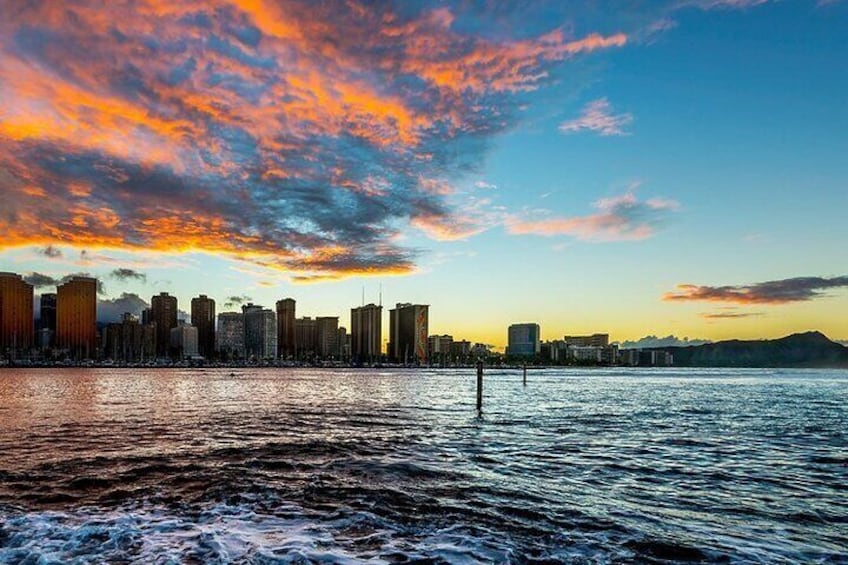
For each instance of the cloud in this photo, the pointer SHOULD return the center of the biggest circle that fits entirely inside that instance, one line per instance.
(730, 315)
(40, 280)
(784, 291)
(232, 301)
(598, 117)
(294, 135)
(51, 252)
(651, 341)
(619, 218)
(124, 274)
(111, 309)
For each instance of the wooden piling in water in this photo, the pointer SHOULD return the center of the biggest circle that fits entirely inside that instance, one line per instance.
(479, 386)
(525, 374)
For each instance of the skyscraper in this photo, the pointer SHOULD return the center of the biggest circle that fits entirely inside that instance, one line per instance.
(230, 335)
(203, 318)
(163, 313)
(524, 339)
(285, 328)
(129, 341)
(408, 330)
(260, 332)
(184, 341)
(16, 318)
(48, 312)
(306, 337)
(327, 336)
(366, 333)
(76, 317)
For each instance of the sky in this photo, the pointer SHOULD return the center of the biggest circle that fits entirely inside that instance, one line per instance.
(666, 168)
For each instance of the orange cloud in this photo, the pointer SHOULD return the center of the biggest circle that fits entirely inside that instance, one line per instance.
(783, 291)
(298, 135)
(619, 218)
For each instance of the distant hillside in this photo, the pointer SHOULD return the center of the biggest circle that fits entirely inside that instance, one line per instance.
(811, 349)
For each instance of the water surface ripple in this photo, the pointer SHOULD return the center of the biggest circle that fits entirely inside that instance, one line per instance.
(302, 466)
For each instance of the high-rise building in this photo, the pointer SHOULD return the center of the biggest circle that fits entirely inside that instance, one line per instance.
(524, 339)
(439, 345)
(260, 332)
(76, 317)
(460, 350)
(203, 318)
(327, 329)
(306, 337)
(47, 320)
(366, 333)
(286, 347)
(594, 340)
(129, 341)
(16, 314)
(344, 343)
(408, 325)
(163, 313)
(184, 341)
(230, 335)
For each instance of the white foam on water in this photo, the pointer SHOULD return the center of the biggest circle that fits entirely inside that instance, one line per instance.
(224, 533)
(220, 534)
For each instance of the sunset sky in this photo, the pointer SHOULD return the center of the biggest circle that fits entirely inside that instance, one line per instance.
(670, 168)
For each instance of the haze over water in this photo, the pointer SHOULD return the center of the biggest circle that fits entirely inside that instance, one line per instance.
(271, 466)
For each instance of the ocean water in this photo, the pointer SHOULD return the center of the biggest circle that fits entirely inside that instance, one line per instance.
(330, 466)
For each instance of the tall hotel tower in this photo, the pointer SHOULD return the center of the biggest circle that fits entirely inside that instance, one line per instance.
(203, 318)
(16, 319)
(163, 313)
(286, 346)
(76, 317)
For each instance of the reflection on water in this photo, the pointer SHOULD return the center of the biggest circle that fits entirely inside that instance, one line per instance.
(396, 466)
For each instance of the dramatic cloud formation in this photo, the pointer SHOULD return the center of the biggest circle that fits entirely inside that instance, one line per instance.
(667, 341)
(111, 309)
(124, 274)
(298, 135)
(784, 291)
(622, 217)
(598, 117)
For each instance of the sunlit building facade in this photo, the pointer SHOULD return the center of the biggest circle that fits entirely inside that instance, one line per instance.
(76, 317)
(16, 314)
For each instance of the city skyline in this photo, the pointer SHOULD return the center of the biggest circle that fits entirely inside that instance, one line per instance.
(673, 169)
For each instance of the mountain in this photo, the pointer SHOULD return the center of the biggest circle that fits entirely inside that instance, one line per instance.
(810, 349)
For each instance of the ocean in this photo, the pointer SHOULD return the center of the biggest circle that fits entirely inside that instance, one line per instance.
(396, 466)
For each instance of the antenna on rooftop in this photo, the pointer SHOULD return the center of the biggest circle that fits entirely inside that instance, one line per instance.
(363, 295)
(381, 294)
